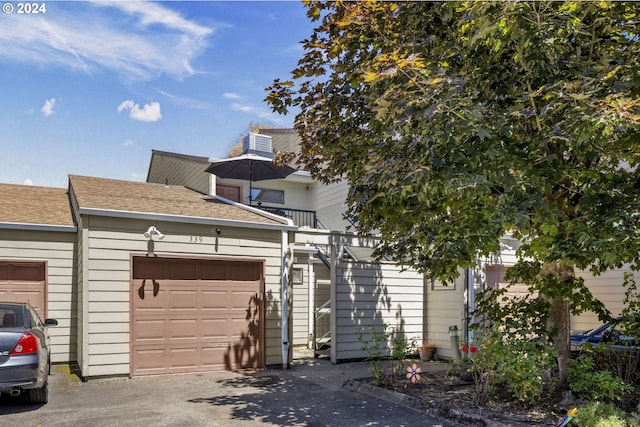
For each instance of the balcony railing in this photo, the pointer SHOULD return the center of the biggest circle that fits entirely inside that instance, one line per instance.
(300, 217)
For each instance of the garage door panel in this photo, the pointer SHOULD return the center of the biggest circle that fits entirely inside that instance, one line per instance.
(240, 272)
(197, 325)
(183, 299)
(214, 271)
(213, 357)
(148, 330)
(183, 328)
(27, 271)
(214, 299)
(215, 329)
(244, 354)
(149, 296)
(180, 358)
(240, 330)
(150, 359)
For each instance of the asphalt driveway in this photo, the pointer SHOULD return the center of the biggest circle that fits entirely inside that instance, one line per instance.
(309, 394)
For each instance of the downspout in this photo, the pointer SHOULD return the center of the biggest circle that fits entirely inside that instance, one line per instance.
(285, 299)
(470, 305)
(311, 279)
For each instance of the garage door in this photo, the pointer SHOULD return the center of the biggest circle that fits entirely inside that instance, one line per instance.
(196, 315)
(24, 281)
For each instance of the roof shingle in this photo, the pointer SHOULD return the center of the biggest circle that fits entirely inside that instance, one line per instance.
(116, 195)
(26, 204)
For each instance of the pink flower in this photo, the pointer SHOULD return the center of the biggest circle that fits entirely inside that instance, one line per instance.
(413, 373)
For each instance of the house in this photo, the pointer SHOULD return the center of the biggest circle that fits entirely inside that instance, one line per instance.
(337, 291)
(445, 310)
(203, 292)
(179, 274)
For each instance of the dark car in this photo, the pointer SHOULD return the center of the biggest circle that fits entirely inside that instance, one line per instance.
(24, 352)
(619, 333)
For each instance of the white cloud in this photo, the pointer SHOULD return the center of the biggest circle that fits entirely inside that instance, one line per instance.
(127, 143)
(231, 95)
(149, 113)
(193, 104)
(260, 112)
(138, 40)
(47, 108)
(28, 181)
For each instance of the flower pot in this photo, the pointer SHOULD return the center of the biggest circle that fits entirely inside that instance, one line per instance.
(426, 353)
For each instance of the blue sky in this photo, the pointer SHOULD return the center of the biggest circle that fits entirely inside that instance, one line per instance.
(90, 88)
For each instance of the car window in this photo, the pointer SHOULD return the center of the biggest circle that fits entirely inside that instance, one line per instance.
(627, 331)
(35, 319)
(10, 317)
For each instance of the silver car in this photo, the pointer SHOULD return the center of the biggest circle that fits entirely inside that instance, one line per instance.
(24, 352)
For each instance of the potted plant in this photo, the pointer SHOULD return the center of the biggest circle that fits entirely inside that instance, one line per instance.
(426, 351)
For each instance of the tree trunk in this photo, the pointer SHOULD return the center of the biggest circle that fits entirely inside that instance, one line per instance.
(559, 324)
(559, 321)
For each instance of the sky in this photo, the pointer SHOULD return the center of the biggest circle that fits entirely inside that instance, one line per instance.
(91, 87)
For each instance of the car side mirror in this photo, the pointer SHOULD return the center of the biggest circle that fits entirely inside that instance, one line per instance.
(50, 322)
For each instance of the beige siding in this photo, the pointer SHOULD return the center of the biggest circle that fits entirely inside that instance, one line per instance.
(369, 295)
(329, 201)
(444, 308)
(452, 305)
(300, 302)
(287, 141)
(296, 195)
(174, 170)
(608, 287)
(58, 250)
(111, 242)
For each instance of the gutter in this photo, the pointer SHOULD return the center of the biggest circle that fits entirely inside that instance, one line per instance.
(38, 227)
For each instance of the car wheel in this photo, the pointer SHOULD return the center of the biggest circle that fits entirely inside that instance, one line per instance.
(38, 395)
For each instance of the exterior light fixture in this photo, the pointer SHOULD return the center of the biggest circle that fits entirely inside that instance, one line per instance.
(153, 231)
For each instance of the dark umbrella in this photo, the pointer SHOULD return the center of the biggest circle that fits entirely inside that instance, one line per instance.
(250, 167)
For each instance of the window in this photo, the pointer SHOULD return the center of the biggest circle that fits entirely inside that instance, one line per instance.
(265, 195)
(437, 285)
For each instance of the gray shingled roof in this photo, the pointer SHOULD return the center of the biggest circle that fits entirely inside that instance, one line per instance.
(26, 204)
(141, 197)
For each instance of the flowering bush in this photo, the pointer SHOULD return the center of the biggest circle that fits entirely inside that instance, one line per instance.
(471, 349)
(509, 359)
(483, 365)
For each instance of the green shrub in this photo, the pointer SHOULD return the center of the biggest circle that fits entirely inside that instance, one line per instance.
(591, 383)
(483, 362)
(523, 367)
(383, 346)
(518, 363)
(599, 414)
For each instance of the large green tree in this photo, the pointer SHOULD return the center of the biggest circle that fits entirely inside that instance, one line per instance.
(457, 122)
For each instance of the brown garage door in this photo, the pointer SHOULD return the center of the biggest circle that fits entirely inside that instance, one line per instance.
(196, 315)
(24, 281)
